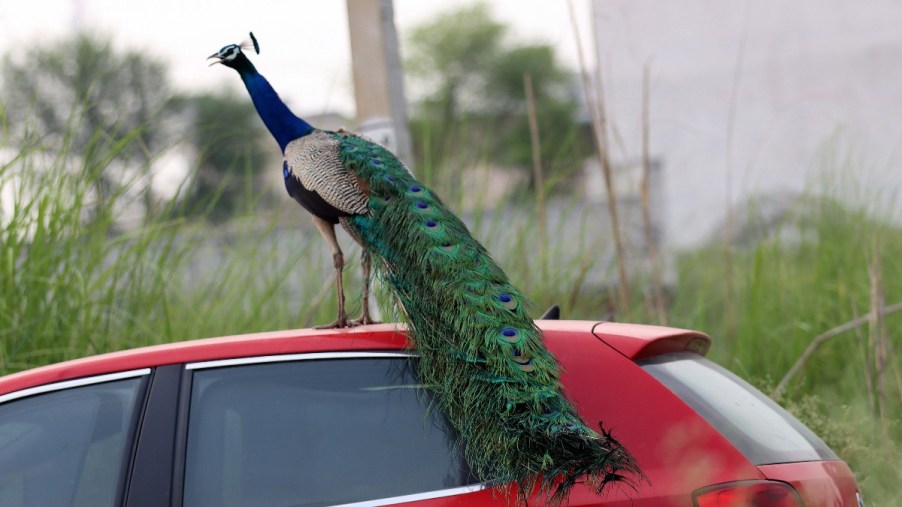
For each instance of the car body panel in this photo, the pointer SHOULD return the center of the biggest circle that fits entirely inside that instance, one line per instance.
(378, 337)
(819, 483)
(686, 455)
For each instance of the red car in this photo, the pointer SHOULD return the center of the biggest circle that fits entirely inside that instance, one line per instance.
(337, 417)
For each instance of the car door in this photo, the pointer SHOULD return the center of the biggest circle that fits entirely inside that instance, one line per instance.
(351, 428)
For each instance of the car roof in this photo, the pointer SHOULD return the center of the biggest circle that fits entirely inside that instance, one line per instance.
(635, 341)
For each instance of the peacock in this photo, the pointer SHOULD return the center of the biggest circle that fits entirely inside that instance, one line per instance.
(480, 352)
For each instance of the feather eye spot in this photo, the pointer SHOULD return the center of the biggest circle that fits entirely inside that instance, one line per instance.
(376, 161)
(416, 188)
(510, 335)
(507, 301)
(527, 366)
(386, 198)
(422, 205)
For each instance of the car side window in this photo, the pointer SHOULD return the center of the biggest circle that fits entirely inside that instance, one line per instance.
(67, 447)
(759, 428)
(316, 432)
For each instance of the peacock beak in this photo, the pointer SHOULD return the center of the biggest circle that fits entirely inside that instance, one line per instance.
(215, 55)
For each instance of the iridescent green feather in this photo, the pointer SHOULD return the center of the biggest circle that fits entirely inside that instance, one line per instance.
(479, 350)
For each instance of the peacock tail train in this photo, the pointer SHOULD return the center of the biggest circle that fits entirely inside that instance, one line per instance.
(479, 351)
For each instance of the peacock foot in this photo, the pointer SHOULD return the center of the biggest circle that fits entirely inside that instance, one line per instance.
(340, 322)
(363, 320)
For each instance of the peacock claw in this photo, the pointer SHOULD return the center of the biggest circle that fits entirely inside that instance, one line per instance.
(363, 320)
(338, 323)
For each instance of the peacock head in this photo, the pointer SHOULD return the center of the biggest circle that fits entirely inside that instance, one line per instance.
(231, 55)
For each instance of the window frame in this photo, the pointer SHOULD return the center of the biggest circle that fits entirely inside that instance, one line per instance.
(71, 384)
(150, 475)
(287, 358)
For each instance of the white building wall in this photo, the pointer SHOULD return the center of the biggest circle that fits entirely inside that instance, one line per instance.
(813, 81)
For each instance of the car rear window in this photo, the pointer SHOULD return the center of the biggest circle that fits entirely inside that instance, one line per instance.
(316, 432)
(67, 447)
(759, 428)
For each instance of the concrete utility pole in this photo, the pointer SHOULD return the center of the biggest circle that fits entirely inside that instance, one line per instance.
(378, 75)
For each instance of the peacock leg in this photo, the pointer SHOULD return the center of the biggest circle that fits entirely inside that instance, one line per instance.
(364, 318)
(328, 232)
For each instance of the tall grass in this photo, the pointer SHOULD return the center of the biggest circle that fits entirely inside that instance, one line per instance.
(69, 286)
(823, 266)
(72, 283)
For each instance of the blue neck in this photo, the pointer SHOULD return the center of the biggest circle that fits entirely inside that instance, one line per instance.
(281, 122)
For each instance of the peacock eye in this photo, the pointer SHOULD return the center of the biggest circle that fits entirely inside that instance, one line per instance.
(228, 52)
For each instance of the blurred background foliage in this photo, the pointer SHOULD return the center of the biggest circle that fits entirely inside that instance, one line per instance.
(88, 100)
(473, 109)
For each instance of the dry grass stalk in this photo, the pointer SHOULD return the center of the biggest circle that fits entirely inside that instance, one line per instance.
(877, 328)
(865, 355)
(656, 299)
(894, 364)
(599, 129)
(820, 339)
(587, 262)
(537, 172)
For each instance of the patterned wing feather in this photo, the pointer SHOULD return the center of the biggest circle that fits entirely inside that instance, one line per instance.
(314, 159)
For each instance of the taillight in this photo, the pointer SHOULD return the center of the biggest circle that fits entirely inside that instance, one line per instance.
(747, 494)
